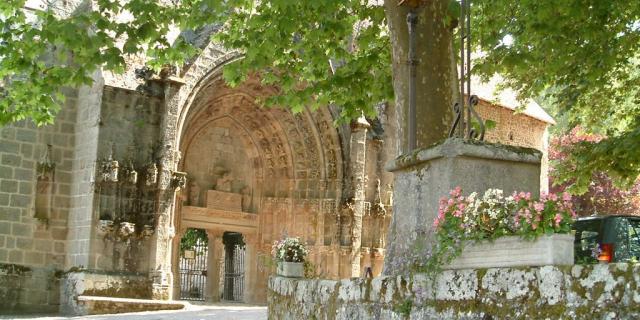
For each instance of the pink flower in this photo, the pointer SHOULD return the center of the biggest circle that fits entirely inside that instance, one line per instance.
(450, 202)
(557, 219)
(457, 213)
(460, 198)
(436, 223)
(527, 195)
(566, 196)
(538, 206)
(534, 226)
(553, 197)
(461, 206)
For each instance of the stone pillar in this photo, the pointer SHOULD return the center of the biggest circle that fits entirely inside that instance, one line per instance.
(357, 155)
(424, 176)
(214, 261)
(160, 255)
(250, 267)
(175, 263)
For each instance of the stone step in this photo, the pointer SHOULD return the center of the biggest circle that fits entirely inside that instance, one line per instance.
(105, 305)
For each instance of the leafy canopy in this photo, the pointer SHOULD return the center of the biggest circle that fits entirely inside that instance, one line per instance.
(581, 55)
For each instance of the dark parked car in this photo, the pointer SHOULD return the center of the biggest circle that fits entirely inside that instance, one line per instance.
(607, 238)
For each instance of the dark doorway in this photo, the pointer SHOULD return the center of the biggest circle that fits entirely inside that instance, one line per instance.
(234, 250)
(193, 265)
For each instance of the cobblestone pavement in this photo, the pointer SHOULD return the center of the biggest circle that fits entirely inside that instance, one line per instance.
(191, 312)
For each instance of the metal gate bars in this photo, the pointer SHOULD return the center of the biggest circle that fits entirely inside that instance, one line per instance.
(193, 272)
(234, 272)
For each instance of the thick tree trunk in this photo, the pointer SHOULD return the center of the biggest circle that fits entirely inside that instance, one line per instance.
(436, 77)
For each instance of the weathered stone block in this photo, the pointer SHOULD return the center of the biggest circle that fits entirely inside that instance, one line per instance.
(16, 256)
(23, 243)
(24, 230)
(6, 172)
(23, 174)
(9, 146)
(224, 200)
(11, 160)
(26, 135)
(9, 186)
(10, 214)
(424, 176)
(26, 188)
(20, 201)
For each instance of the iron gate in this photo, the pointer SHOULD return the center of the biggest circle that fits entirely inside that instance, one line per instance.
(193, 272)
(234, 272)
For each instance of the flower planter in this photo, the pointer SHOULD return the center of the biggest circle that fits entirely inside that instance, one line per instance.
(513, 251)
(291, 269)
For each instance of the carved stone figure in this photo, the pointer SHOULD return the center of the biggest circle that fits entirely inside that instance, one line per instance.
(194, 194)
(151, 176)
(224, 183)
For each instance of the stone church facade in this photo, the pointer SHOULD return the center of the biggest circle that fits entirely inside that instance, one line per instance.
(96, 204)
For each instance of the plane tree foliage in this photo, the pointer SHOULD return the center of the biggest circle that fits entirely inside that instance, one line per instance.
(580, 56)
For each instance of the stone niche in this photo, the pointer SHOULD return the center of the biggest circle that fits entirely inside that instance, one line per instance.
(424, 176)
(220, 166)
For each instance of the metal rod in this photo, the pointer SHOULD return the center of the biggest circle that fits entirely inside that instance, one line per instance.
(412, 21)
(467, 27)
(462, 122)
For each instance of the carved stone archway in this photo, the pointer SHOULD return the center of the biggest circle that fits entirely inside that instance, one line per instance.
(262, 172)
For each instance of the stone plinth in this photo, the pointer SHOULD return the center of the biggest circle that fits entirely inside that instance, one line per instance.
(100, 284)
(514, 251)
(425, 175)
(224, 200)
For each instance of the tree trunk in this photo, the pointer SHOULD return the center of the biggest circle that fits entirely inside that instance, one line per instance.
(436, 77)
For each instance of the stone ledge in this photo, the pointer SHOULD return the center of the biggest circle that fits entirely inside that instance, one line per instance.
(105, 305)
(455, 147)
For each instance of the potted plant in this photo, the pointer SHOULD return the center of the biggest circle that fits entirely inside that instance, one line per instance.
(290, 254)
(496, 231)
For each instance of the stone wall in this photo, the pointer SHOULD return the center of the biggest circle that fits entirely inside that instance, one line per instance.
(608, 291)
(100, 284)
(128, 130)
(24, 289)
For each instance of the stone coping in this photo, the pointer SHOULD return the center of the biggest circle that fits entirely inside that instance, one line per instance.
(131, 300)
(91, 305)
(456, 147)
(108, 273)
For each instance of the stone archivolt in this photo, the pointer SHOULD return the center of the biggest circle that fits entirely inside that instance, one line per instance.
(289, 167)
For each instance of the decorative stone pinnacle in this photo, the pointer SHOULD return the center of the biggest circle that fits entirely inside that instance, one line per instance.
(361, 122)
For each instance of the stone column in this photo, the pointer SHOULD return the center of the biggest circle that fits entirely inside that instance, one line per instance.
(250, 267)
(175, 263)
(214, 260)
(160, 255)
(424, 176)
(357, 155)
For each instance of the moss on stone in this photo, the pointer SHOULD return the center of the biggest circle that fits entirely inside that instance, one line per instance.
(14, 269)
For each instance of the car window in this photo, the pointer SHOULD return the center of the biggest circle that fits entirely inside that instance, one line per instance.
(586, 241)
(617, 232)
(634, 239)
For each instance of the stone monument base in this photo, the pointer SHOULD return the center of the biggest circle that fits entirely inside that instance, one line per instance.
(424, 176)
